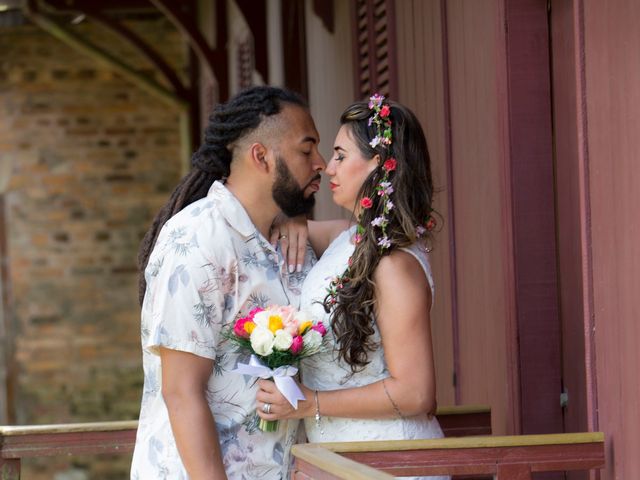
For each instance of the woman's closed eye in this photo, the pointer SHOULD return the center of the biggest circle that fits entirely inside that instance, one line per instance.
(339, 157)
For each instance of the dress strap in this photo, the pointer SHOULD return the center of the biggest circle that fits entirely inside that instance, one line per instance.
(419, 252)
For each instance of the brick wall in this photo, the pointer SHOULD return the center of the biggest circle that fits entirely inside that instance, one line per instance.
(93, 158)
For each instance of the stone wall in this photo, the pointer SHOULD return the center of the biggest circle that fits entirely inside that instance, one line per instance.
(93, 158)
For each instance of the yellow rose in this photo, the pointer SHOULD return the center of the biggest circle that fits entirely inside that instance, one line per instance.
(249, 326)
(304, 327)
(275, 323)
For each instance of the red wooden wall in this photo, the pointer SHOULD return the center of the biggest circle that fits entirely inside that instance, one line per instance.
(597, 120)
(612, 80)
(482, 91)
(422, 86)
(532, 111)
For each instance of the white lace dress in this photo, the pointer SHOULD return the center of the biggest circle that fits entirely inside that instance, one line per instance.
(324, 371)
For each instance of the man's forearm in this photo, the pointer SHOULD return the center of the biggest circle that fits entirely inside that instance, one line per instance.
(196, 436)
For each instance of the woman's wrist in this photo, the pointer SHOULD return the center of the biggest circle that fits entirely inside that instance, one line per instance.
(308, 408)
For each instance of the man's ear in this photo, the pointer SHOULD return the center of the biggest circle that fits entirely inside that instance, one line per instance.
(258, 157)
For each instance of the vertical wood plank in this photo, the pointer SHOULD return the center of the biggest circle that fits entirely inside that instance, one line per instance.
(7, 334)
(532, 198)
(333, 49)
(572, 212)
(612, 84)
(10, 469)
(513, 472)
(420, 70)
(481, 199)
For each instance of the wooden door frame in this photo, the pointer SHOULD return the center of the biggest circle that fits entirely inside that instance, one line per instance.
(533, 221)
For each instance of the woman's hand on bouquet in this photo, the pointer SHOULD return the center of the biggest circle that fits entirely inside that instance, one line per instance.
(278, 406)
(292, 234)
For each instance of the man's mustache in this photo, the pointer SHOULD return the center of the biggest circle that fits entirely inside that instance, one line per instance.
(317, 177)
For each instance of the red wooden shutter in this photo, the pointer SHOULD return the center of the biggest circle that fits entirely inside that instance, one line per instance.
(374, 46)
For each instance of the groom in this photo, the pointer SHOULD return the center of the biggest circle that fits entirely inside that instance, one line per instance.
(207, 261)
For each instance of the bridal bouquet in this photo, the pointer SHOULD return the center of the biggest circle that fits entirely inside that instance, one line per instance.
(277, 338)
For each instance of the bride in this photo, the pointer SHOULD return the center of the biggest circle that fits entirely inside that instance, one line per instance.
(372, 288)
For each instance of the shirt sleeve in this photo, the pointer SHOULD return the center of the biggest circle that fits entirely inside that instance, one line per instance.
(186, 303)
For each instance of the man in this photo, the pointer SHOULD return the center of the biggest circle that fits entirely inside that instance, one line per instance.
(211, 263)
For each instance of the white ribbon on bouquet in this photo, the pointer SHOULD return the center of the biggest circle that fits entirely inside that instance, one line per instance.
(282, 376)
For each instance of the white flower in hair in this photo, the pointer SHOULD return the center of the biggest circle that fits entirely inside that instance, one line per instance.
(378, 221)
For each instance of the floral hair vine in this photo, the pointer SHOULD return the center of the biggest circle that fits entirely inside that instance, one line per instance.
(384, 189)
(381, 119)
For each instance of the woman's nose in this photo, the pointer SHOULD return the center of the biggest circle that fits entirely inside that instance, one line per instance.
(319, 163)
(331, 168)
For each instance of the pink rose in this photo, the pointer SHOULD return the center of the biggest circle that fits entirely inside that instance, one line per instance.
(296, 345)
(319, 327)
(287, 313)
(385, 111)
(238, 328)
(253, 312)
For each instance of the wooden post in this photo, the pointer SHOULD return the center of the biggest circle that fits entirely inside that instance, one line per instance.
(9, 469)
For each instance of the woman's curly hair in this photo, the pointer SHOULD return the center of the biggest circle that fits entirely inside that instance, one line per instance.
(353, 309)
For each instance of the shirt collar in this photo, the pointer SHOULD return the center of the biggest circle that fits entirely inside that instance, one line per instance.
(232, 210)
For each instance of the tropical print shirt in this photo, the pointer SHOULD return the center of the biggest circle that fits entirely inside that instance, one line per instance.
(210, 265)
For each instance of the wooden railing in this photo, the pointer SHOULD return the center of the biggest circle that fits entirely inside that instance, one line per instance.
(506, 457)
(465, 420)
(18, 442)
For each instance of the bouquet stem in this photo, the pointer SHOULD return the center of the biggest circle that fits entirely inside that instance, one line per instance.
(268, 425)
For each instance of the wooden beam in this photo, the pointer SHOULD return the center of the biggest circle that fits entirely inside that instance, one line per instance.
(78, 43)
(142, 47)
(507, 457)
(70, 439)
(334, 466)
(468, 442)
(111, 5)
(214, 60)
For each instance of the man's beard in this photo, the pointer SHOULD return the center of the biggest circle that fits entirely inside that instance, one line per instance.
(287, 193)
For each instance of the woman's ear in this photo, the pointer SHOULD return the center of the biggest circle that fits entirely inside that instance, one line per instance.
(375, 162)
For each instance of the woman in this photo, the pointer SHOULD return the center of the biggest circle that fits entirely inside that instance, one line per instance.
(373, 286)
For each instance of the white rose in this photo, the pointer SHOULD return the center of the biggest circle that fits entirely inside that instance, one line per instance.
(302, 317)
(261, 319)
(283, 340)
(312, 340)
(262, 341)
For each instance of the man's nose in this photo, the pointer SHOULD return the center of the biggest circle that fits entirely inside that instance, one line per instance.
(319, 163)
